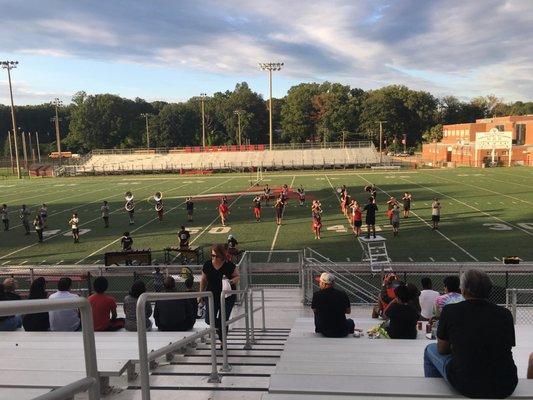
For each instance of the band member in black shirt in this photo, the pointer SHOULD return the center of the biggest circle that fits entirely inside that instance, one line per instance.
(370, 209)
(406, 199)
(257, 208)
(127, 242)
(189, 205)
(184, 235)
(5, 217)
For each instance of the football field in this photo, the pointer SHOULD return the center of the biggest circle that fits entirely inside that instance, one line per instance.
(487, 214)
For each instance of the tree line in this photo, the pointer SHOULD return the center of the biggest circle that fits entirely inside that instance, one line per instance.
(309, 112)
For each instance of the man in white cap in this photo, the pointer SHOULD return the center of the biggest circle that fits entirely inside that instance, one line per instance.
(330, 306)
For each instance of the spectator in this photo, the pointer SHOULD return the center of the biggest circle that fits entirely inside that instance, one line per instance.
(104, 308)
(37, 322)
(173, 315)
(452, 295)
(330, 307)
(402, 314)
(8, 322)
(159, 280)
(214, 272)
(386, 295)
(130, 307)
(64, 320)
(414, 296)
(10, 288)
(427, 299)
(530, 367)
(189, 287)
(474, 341)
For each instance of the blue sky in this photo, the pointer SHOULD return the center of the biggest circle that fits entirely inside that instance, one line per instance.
(172, 50)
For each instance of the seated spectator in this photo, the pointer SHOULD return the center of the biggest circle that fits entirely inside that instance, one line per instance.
(474, 342)
(173, 315)
(403, 316)
(330, 306)
(8, 322)
(414, 296)
(37, 322)
(427, 299)
(530, 367)
(452, 295)
(130, 307)
(64, 320)
(189, 287)
(104, 308)
(10, 289)
(159, 280)
(386, 295)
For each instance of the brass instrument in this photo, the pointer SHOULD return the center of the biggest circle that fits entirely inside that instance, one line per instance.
(130, 205)
(158, 197)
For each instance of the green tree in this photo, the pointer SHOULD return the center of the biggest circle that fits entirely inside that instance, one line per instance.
(297, 123)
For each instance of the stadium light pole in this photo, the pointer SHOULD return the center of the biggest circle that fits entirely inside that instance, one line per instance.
(146, 116)
(24, 150)
(57, 103)
(381, 140)
(270, 66)
(9, 65)
(238, 113)
(202, 99)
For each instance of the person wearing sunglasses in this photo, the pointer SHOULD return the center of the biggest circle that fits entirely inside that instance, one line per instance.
(214, 272)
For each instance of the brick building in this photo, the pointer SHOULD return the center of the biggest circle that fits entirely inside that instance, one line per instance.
(458, 142)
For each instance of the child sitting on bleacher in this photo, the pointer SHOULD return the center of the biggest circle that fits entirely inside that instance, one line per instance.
(104, 308)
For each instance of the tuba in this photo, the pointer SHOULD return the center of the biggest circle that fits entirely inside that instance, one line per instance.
(129, 206)
(158, 197)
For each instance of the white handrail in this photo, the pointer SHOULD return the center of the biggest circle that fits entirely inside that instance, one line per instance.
(144, 358)
(91, 382)
(224, 324)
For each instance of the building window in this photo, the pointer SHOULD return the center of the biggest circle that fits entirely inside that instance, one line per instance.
(501, 128)
(520, 134)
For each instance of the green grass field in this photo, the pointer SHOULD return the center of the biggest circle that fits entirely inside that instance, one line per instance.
(486, 214)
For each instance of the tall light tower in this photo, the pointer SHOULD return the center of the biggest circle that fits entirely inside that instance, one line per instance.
(147, 115)
(381, 140)
(239, 113)
(9, 65)
(270, 66)
(57, 103)
(202, 99)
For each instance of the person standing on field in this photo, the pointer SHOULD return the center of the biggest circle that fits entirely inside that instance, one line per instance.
(435, 213)
(5, 217)
(371, 208)
(24, 215)
(74, 224)
(104, 210)
(39, 226)
(395, 219)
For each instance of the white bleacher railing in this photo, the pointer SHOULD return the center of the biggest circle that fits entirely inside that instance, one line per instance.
(91, 382)
(145, 358)
(526, 306)
(224, 323)
(251, 292)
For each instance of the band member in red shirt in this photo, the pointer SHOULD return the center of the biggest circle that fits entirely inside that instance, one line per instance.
(223, 211)
(257, 208)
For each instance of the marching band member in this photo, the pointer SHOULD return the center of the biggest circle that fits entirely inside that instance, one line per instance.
(74, 223)
(24, 214)
(257, 207)
(104, 210)
(316, 206)
(406, 199)
(266, 194)
(279, 210)
(5, 216)
(372, 190)
(158, 197)
(43, 213)
(284, 193)
(126, 242)
(301, 195)
(357, 218)
(317, 222)
(130, 207)
(189, 205)
(184, 236)
(39, 226)
(223, 211)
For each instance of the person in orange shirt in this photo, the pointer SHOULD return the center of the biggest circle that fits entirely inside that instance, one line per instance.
(104, 308)
(223, 211)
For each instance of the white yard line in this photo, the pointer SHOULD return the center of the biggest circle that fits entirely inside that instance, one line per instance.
(496, 258)
(472, 207)
(453, 259)
(146, 223)
(6, 262)
(23, 262)
(410, 259)
(427, 223)
(275, 239)
(432, 259)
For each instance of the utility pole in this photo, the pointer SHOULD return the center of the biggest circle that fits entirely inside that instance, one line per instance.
(38, 148)
(202, 98)
(32, 150)
(147, 115)
(11, 152)
(238, 113)
(25, 152)
(9, 65)
(381, 140)
(270, 66)
(57, 103)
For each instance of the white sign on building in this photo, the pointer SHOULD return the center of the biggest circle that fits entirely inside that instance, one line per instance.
(493, 140)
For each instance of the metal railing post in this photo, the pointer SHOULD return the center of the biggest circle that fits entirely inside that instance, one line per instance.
(247, 345)
(514, 301)
(224, 331)
(263, 310)
(251, 315)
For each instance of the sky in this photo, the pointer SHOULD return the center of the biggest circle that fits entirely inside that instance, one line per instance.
(172, 50)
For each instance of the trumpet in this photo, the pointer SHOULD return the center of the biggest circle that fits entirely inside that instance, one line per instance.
(129, 206)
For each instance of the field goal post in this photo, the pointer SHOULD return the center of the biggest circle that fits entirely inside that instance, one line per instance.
(259, 174)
